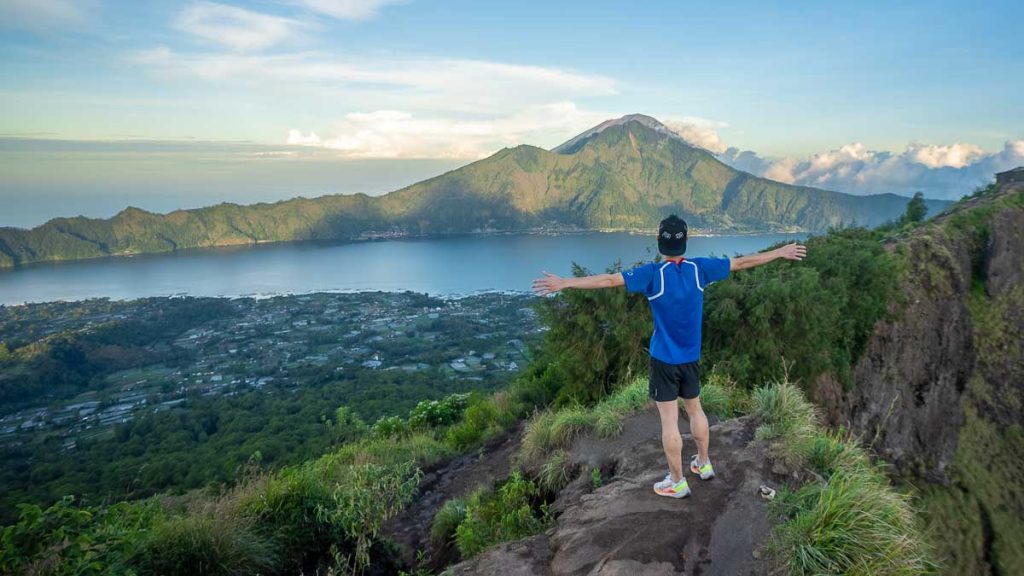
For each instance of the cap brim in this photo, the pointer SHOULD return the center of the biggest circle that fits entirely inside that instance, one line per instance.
(672, 250)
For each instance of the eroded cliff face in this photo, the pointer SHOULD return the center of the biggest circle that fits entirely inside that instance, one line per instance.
(938, 391)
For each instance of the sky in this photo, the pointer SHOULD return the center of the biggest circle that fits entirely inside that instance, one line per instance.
(167, 105)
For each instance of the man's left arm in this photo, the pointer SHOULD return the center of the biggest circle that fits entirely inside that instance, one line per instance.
(792, 251)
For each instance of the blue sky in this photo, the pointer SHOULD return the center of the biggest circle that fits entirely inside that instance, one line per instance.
(862, 97)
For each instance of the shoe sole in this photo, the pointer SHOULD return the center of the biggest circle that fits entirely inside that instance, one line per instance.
(703, 477)
(674, 495)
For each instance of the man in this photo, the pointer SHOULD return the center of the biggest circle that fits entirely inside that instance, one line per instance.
(675, 290)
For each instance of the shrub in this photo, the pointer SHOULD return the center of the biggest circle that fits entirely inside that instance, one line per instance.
(285, 506)
(557, 429)
(538, 385)
(420, 447)
(446, 521)
(548, 430)
(597, 340)
(389, 426)
(437, 413)
(556, 473)
(570, 423)
(832, 453)
(720, 396)
(607, 422)
(537, 438)
(493, 517)
(68, 539)
(851, 521)
(364, 498)
(787, 420)
(814, 316)
(854, 523)
(628, 398)
(207, 544)
(480, 421)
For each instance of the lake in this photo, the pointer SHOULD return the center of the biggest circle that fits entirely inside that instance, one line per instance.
(440, 266)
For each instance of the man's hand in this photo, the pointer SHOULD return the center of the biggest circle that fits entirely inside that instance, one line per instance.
(792, 251)
(548, 285)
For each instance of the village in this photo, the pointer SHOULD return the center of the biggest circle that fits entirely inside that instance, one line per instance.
(278, 345)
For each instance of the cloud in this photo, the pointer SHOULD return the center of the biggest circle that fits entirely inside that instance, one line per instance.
(955, 155)
(236, 28)
(455, 85)
(940, 171)
(698, 132)
(401, 134)
(348, 9)
(42, 15)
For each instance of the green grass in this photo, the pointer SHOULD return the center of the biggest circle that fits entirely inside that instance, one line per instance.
(207, 543)
(849, 520)
(787, 421)
(554, 429)
(508, 513)
(720, 396)
(556, 473)
(853, 523)
(446, 521)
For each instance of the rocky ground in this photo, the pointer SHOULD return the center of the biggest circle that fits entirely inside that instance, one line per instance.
(623, 527)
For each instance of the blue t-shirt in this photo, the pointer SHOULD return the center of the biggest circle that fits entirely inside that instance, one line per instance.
(676, 294)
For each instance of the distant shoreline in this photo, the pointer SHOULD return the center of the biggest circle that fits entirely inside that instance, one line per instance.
(269, 296)
(386, 236)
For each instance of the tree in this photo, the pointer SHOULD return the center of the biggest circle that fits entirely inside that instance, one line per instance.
(916, 209)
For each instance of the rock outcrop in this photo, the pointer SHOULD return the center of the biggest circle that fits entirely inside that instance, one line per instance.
(624, 528)
(939, 390)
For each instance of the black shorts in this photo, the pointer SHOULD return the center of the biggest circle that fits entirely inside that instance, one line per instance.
(671, 381)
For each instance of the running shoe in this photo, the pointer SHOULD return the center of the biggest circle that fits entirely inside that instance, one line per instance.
(672, 489)
(706, 472)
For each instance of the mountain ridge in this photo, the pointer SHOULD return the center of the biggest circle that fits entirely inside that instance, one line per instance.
(624, 174)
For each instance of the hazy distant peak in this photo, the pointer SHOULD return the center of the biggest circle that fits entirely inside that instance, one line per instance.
(574, 144)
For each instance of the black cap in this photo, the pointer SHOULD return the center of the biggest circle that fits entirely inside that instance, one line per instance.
(672, 236)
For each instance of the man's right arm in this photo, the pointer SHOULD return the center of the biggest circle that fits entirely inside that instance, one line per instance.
(552, 283)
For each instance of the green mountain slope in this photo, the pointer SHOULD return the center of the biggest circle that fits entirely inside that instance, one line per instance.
(626, 174)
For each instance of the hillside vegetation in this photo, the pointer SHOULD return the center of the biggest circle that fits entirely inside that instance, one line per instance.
(795, 328)
(627, 176)
(938, 386)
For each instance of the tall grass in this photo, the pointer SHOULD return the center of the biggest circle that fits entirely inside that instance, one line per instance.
(720, 396)
(848, 521)
(207, 544)
(853, 523)
(498, 516)
(556, 473)
(788, 421)
(550, 430)
(446, 521)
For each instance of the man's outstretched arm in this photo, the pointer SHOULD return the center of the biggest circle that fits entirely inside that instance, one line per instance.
(551, 283)
(792, 251)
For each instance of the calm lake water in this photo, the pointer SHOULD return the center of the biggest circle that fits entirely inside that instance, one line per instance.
(441, 266)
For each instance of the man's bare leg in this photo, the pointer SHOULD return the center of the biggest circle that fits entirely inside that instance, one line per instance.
(671, 440)
(698, 426)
